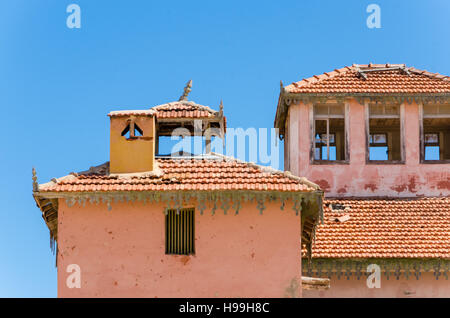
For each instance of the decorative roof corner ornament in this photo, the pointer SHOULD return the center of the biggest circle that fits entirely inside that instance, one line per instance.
(281, 87)
(221, 108)
(35, 184)
(222, 123)
(187, 90)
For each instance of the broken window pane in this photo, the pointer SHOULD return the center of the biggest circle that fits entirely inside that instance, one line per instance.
(392, 110)
(336, 110)
(329, 109)
(384, 132)
(436, 132)
(384, 109)
(329, 139)
(431, 109)
(436, 109)
(376, 110)
(321, 110)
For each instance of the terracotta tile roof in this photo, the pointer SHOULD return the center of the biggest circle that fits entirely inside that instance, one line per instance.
(207, 173)
(374, 78)
(137, 112)
(384, 228)
(177, 110)
(184, 109)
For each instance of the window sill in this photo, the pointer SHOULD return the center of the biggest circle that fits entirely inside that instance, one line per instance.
(385, 162)
(330, 162)
(446, 161)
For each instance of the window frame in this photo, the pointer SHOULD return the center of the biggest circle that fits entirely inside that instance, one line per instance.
(328, 144)
(313, 117)
(422, 116)
(401, 116)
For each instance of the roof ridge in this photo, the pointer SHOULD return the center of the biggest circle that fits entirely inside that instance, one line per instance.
(429, 74)
(305, 82)
(326, 75)
(103, 170)
(187, 103)
(268, 169)
(127, 112)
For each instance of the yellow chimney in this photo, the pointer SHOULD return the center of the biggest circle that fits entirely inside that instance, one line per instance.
(132, 141)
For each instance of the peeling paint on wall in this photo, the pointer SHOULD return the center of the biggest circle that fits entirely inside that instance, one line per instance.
(236, 255)
(323, 184)
(445, 185)
(292, 291)
(371, 186)
(357, 178)
(342, 190)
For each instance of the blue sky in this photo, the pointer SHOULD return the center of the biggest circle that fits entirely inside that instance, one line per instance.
(57, 84)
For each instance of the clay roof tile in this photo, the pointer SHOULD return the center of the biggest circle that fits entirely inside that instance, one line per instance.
(208, 173)
(384, 228)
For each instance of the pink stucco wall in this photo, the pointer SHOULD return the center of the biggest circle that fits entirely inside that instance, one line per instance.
(425, 286)
(121, 253)
(358, 178)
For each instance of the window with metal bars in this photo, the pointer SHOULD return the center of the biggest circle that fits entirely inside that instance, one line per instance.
(180, 231)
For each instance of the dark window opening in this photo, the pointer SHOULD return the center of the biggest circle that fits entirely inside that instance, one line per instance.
(436, 132)
(329, 133)
(132, 130)
(384, 133)
(180, 234)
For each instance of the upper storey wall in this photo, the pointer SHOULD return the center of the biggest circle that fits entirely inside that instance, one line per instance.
(356, 176)
(121, 252)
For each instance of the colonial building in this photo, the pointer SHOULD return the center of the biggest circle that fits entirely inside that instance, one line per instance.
(146, 225)
(376, 138)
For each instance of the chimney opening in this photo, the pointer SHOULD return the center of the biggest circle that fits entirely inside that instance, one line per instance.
(132, 131)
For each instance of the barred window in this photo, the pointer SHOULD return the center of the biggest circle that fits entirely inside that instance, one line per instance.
(180, 231)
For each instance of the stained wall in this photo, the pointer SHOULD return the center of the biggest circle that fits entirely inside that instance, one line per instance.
(358, 178)
(425, 286)
(121, 253)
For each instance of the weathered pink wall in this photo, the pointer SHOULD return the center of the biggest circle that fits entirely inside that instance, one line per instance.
(361, 179)
(121, 253)
(426, 286)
